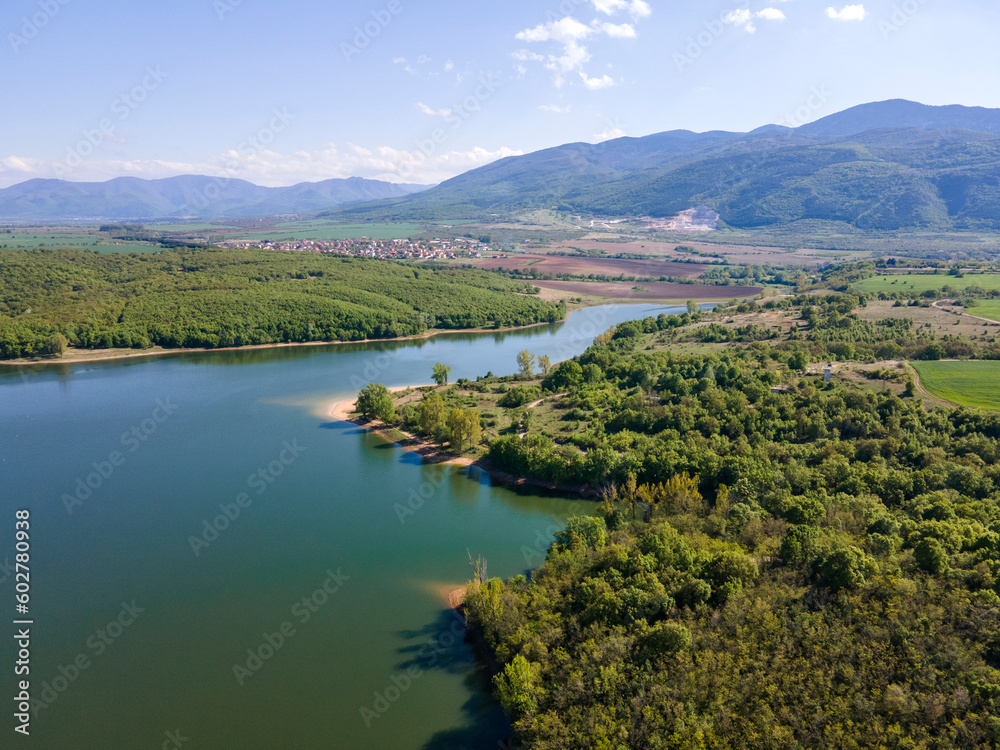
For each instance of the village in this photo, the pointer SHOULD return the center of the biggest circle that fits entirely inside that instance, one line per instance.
(394, 249)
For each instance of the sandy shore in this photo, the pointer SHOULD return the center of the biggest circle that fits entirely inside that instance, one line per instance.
(433, 453)
(430, 452)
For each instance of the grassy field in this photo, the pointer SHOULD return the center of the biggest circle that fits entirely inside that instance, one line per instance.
(602, 292)
(933, 319)
(917, 283)
(975, 383)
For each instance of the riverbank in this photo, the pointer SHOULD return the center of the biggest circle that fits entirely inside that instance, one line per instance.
(77, 356)
(433, 453)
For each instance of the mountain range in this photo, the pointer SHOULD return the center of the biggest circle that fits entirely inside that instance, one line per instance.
(884, 166)
(129, 198)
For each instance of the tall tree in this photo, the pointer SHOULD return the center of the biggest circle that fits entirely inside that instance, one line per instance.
(375, 402)
(430, 412)
(441, 373)
(526, 363)
(463, 425)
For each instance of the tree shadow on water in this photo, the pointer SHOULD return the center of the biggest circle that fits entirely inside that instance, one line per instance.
(441, 645)
(438, 646)
(348, 428)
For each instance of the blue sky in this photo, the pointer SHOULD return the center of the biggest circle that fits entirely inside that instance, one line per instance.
(284, 92)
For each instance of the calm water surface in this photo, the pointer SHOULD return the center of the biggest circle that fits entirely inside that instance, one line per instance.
(146, 593)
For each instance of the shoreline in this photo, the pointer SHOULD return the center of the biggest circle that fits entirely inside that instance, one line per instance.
(435, 454)
(127, 354)
(130, 354)
(430, 452)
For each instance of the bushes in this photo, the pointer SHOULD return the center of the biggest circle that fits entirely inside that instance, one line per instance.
(519, 395)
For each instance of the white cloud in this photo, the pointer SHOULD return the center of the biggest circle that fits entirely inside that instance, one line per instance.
(742, 19)
(574, 57)
(597, 83)
(617, 31)
(275, 169)
(444, 112)
(423, 59)
(524, 55)
(771, 14)
(18, 164)
(571, 33)
(608, 134)
(847, 13)
(402, 61)
(449, 66)
(564, 30)
(555, 108)
(636, 8)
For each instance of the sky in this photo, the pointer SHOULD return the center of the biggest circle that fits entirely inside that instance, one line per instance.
(419, 91)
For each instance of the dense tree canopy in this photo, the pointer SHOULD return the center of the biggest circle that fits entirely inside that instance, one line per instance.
(214, 298)
(811, 565)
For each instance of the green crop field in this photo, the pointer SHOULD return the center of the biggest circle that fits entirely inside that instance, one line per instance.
(321, 230)
(180, 227)
(69, 238)
(986, 308)
(970, 383)
(917, 283)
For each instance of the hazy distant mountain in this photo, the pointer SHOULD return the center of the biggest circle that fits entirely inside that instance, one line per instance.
(187, 195)
(883, 166)
(900, 113)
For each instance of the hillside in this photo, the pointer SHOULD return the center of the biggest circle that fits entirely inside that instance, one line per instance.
(221, 298)
(127, 198)
(884, 166)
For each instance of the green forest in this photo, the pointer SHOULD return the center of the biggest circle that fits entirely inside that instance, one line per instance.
(774, 562)
(215, 298)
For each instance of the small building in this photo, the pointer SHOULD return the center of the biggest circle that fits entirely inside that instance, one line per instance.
(827, 373)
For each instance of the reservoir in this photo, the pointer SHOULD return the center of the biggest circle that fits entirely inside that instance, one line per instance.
(217, 563)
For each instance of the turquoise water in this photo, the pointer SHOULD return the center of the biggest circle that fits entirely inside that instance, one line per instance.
(147, 595)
